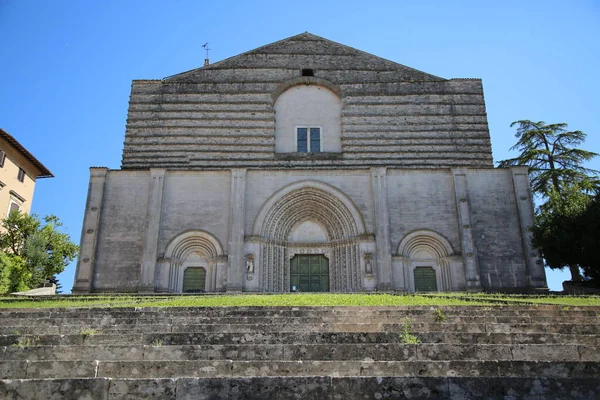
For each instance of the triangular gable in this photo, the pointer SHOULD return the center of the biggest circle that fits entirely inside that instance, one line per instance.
(309, 51)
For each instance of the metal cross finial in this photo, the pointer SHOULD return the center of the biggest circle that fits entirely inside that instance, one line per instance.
(205, 47)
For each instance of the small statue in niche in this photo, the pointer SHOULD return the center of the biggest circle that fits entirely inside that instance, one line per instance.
(368, 264)
(249, 264)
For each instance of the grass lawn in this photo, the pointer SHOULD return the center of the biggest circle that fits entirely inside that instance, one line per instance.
(296, 299)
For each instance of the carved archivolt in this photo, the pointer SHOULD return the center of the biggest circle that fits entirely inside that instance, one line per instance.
(194, 242)
(191, 248)
(427, 248)
(425, 240)
(309, 200)
(320, 203)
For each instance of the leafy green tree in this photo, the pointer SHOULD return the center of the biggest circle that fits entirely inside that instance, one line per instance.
(557, 231)
(552, 156)
(589, 231)
(558, 177)
(32, 251)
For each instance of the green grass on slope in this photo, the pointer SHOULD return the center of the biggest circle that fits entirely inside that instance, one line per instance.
(303, 299)
(296, 299)
(566, 300)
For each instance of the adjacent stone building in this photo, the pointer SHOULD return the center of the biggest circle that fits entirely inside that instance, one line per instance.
(307, 165)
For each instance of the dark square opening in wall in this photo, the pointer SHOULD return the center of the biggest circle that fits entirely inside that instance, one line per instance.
(308, 72)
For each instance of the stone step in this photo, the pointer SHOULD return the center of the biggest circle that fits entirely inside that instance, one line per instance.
(20, 324)
(302, 312)
(204, 338)
(23, 369)
(291, 352)
(581, 329)
(285, 388)
(200, 318)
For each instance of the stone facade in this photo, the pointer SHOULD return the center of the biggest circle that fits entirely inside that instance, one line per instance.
(302, 147)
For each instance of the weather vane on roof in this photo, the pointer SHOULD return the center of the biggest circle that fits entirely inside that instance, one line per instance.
(205, 47)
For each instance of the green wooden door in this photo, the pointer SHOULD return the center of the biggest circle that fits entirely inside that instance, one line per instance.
(194, 279)
(425, 279)
(309, 273)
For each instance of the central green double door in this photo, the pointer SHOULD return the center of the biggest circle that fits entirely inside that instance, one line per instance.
(309, 273)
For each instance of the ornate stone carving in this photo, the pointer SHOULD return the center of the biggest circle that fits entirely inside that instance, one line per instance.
(250, 264)
(369, 264)
(317, 202)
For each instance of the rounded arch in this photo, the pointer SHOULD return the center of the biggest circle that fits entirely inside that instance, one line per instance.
(305, 80)
(424, 239)
(308, 108)
(304, 201)
(188, 243)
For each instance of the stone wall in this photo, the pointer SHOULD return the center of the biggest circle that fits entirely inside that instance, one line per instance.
(223, 116)
(465, 223)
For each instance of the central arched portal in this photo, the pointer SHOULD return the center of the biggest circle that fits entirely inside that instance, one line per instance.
(309, 239)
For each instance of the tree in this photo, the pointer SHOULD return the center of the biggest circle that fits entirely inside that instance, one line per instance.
(557, 231)
(554, 161)
(557, 176)
(31, 252)
(589, 228)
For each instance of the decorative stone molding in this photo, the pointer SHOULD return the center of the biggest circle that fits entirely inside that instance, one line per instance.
(424, 247)
(436, 243)
(305, 80)
(320, 203)
(191, 247)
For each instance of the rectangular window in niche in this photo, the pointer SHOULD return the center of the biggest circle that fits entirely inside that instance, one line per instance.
(308, 139)
(315, 140)
(302, 142)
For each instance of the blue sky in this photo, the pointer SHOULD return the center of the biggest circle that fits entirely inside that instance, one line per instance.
(67, 66)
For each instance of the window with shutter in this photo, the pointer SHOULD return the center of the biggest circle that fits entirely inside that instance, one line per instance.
(21, 175)
(2, 157)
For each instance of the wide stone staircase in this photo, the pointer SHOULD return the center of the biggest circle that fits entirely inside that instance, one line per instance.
(509, 352)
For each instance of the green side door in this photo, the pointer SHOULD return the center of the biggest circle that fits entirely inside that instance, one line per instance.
(425, 279)
(194, 279)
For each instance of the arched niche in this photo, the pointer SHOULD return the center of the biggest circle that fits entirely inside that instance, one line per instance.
(306, 106)
(191, 249)
(426, 248)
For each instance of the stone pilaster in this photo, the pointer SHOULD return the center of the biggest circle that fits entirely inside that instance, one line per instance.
(153, 215)
(84, 275)
(536, 276)
(235, 251)
(382, 229)
(469, 251)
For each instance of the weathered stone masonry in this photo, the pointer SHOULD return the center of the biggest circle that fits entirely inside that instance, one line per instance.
(213, 177)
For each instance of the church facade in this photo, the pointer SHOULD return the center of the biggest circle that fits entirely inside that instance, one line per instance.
(305, 166)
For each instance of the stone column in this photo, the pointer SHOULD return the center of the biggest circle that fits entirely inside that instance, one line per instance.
(469, 251)
(86, 263)
(382, 229)
(536, 275)
(235, 271)
(153, 215)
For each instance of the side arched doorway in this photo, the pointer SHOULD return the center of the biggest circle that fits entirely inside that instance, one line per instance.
(193, 262)
(428, 263)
